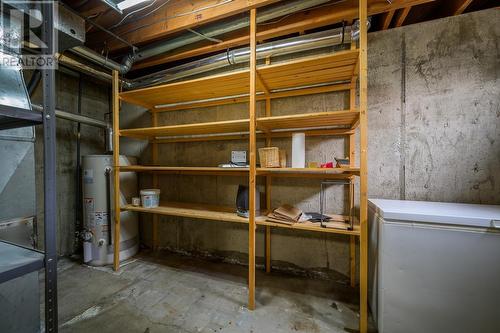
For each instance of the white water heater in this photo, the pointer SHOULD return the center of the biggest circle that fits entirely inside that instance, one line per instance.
(98, 210)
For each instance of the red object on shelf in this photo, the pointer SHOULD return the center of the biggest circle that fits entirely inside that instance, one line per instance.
(327, 165)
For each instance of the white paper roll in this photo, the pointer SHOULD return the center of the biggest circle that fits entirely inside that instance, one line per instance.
(298, 150)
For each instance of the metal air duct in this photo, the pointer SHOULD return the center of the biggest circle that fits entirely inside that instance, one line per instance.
(240, 56)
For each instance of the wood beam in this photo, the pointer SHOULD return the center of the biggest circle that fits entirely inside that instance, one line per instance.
(401, 16)
(174, 17)
(92, 8)
(460, 6)
(315, 18)
(268, 182)
(386, 19)
(363, 167)
(252, 175)
(154, 147)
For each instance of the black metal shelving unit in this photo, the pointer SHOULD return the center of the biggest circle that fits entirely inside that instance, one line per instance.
(17, 261)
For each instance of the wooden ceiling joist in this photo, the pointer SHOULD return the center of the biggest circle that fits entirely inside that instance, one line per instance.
(387, 19)
(460, 6)
(91, 8)
(174, 17)
(401, 16)
(306, 20)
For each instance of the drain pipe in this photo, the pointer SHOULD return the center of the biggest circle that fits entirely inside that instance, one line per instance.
(78, 197)
(34, 81)
(73, 117)
(210, 31)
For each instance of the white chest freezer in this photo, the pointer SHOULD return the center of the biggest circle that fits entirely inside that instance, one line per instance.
(434, 267)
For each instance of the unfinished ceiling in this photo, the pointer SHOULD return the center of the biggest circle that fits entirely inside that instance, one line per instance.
(136, 29)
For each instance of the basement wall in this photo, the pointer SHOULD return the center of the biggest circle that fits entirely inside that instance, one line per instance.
(434, 110)
(434, 134)
(95, 103)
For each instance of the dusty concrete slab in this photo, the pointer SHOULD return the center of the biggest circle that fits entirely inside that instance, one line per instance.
(173, 293)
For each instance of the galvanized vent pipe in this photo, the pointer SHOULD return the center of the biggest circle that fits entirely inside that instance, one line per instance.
(240, 56)
(210, 31)
(308, 42)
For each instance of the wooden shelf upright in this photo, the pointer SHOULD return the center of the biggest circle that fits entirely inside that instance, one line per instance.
(340, 71)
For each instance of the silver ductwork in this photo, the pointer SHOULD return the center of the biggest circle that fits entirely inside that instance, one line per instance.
(210, 31)
(70, 27)
(241, 56)
(318, 40)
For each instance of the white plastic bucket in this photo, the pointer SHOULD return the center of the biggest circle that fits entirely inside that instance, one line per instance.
(150, 198)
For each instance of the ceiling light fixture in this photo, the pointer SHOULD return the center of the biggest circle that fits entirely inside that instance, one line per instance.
(129, 3)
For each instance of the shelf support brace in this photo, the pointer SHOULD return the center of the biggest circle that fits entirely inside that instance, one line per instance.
(253, 162)
(263, 85)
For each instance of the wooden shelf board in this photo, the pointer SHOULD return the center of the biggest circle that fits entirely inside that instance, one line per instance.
(198, 211)
(339, 66)
(308, 226)
(330, 119)
(275, 172)
(227, 214)
(309, 172)
(260, 135)
(311, 70)
(216, 127)
(216, 171)
(309, 120)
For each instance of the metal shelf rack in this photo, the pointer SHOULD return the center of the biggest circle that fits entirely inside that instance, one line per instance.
(18, 261)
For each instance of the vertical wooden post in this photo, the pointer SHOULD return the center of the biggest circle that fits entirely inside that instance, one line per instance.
(154, 116)
(363, 123)
(268, 197)
(352, 158)
(352, 107)
(352, 243)
(116, 168)
(253, 162)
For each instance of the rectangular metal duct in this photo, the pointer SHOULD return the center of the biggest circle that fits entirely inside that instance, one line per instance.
(15, 104)
(70, 27)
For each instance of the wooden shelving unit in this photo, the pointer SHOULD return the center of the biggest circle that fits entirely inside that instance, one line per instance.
(339, 71)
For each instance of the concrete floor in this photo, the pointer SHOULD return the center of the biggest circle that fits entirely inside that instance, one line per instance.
(173, 293)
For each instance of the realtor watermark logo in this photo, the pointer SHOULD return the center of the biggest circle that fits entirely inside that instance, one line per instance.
(21, 42)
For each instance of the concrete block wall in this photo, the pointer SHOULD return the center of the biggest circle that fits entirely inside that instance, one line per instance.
(434, 118)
